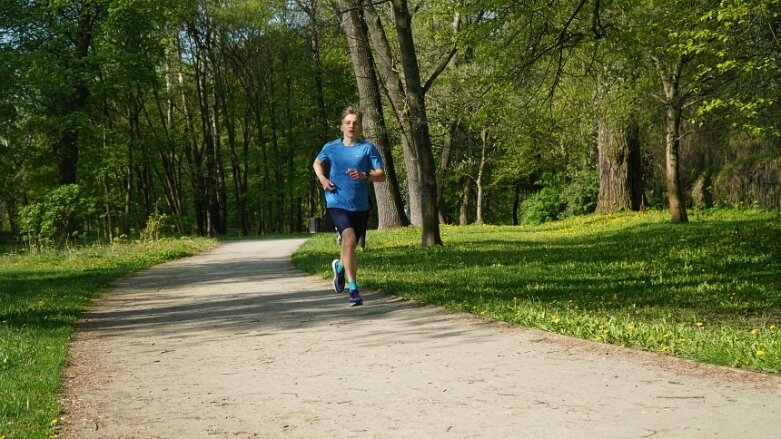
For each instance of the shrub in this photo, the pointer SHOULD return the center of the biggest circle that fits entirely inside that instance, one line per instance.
(557, 200)
(580, 195)
(546, 205)
(56, 219)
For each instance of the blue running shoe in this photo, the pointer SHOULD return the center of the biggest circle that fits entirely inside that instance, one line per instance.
(355, 298)
(338, 276)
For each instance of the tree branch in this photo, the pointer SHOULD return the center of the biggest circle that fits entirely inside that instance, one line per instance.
(440, 68)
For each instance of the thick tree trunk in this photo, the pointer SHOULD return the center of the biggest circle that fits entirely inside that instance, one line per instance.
(416, 114)
(66, 146)
(390, 206)
(620, 176)
(394, 89)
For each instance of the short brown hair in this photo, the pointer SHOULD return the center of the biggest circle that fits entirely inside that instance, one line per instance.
(352, 110)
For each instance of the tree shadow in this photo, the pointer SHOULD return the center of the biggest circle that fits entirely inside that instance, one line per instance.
(256, 295)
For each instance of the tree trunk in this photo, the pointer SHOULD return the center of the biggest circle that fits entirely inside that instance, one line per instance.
(418, 119)
(314, 191)
(293, 220)
(674, 103)
(463, 209)
(238, 162)
(394, 89)
(620, 176)
(390, 206)
(672, 156)
(166, 152)
(194, 161)
(480, 170)
(444, 165)
(277, 202)
(66, 146)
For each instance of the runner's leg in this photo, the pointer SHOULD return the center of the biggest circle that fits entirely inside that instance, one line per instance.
(349, 240)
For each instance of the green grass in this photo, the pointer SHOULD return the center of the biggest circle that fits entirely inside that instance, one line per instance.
(41, 296)
(709, 290)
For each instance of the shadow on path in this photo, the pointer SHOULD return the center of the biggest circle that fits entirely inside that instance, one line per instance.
(214, 293)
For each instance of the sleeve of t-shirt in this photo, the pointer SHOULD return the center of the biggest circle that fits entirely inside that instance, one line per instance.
(375, 157)
(323, 155)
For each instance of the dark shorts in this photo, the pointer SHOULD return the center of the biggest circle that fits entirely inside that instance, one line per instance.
(344, 219)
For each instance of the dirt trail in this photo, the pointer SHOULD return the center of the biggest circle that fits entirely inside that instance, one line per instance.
(235, 343)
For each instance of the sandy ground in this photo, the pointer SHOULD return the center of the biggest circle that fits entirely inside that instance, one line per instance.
(235, 343)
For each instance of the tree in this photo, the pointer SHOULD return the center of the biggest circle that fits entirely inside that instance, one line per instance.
(390, 206)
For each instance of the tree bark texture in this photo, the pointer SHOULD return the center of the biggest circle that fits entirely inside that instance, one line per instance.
(620, 176)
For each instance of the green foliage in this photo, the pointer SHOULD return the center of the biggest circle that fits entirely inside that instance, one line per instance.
(41, 296)
(56, 219)
(546, 205)
(580, 194)
(557, 200)
(707, 291)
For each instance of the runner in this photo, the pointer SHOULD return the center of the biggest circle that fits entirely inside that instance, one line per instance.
(353, 164)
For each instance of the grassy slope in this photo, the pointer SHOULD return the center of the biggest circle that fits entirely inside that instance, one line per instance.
(709, 290)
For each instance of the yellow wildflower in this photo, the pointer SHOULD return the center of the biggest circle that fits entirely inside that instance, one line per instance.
(754, 331)
(760, 353)
(698, 324)
(556, 320)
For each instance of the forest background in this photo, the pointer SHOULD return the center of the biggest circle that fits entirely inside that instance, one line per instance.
(203, 117)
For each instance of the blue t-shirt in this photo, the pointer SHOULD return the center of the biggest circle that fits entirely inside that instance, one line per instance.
(349, 194)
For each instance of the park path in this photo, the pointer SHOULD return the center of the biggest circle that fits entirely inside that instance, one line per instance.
(235, 343)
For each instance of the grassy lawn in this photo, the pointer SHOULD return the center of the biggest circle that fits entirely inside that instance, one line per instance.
(41, 296)
(709, 290)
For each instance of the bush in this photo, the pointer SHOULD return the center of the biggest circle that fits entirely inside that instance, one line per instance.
(581, 194)
(29, 223)
(546, 205)
(557, 201)
(56, 219)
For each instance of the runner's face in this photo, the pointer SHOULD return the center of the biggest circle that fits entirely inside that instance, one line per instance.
(351, 126)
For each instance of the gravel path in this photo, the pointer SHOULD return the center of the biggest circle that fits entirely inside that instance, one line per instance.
(235, 343)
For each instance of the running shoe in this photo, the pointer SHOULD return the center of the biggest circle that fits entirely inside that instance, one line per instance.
(338, 276)
(355, 298)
